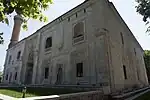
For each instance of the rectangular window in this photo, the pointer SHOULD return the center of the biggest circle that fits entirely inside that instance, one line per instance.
(16, 76)
(134, 51)
(48, 42)
(46, 73)
(124, 70)
(79, 71)
(7, 77)
(122, 38)
(18, 55)
(9, 60)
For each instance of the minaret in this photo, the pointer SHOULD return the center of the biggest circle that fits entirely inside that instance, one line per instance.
(16, 30)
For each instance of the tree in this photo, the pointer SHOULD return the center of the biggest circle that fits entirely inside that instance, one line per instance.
(143, 8)
(147, 62)
(26, 8)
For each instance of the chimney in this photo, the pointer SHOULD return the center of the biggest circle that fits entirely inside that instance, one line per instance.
(16, 30)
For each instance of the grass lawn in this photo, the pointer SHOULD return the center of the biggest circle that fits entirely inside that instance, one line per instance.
(31, 92)
(145, 96)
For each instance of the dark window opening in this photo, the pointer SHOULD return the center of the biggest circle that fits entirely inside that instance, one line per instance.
(124, 70)
(9, 60)
(48, 43)
(76, 15)
(78, 29)
(46, 73)
(7, 77)
(84, 10)
(79, 67)
(18, 55)
(134, 51)
(122, 38)
(69, 19)
(16, 76)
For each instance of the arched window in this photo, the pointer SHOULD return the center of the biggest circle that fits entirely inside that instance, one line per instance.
(48, 42)
(78, 29)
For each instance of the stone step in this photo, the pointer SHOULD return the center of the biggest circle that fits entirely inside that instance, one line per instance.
(125, 96)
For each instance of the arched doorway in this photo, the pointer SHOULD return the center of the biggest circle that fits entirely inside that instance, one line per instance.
(10, 77)
(29, 69)
(59, 75)
(29, 73)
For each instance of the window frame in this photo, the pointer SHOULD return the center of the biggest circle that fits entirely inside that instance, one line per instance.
(16, 74)
(18, 55)
(125, 72)
(81, 34)
(47, 47)
(9, 59)
(79, 69)
(122, 38)
(46, 73)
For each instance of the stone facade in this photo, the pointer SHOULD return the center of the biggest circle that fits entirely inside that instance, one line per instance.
(89, 45)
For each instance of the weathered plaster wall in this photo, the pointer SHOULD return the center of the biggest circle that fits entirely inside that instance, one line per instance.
(15, 64)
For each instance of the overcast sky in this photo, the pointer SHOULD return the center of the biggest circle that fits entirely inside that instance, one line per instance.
(126, 9)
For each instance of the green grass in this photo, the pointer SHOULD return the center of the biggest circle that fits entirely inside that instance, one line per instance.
(145, 96)
(31, 92)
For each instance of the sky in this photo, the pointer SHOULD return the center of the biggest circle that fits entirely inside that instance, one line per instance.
(126, 8)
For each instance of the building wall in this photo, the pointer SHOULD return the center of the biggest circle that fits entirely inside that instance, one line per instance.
(30, 57)
(65, 52)
(103, 51)
(125, 53)
(10, 68)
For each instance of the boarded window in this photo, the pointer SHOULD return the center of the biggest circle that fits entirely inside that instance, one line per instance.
(125, 72)
(78, 29)
(9, 60)
(48, 43)
(46, 73)
(122, 38)
(79, 67)
(16, 76)
(18, 55)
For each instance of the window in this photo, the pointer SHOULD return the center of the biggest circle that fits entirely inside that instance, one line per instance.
(122, 38)
(48, 43)
(18, 55)
(79, 67)
(9, 60)
(78, 29)
(16, 76)
(124, 70)
(46, 73)
(7, 77)
(134, 51)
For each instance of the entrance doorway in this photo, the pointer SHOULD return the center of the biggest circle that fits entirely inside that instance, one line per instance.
(59, 75)
(29, 73)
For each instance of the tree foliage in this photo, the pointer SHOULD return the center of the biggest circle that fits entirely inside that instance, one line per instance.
(144, 9)
(26, 8)
(147, 62)
(1, 38)
(147, 58)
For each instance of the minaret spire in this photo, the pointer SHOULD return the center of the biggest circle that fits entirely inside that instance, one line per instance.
(18, 20)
